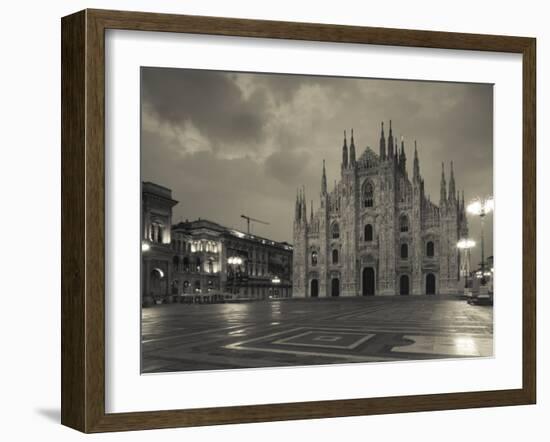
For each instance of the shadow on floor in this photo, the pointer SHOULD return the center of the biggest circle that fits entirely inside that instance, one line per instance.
(51, 414)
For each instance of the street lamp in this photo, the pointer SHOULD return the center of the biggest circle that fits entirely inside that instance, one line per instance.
(465, 245)
(234, 262)
(481, 207)
(145, 247)
(276, 281)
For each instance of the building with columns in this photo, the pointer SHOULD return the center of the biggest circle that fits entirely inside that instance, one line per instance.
(209, 257)
(377, 232)
(156, 255)
(202, 257)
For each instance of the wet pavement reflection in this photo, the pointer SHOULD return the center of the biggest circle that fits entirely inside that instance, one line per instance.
(183, 337)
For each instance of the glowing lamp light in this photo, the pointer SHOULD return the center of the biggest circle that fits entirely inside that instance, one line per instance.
(474, 208)
(481, 206)
(276, 280)
(145, 247)
(466, 244)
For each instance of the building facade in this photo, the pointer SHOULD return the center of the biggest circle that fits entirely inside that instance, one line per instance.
(209, 258)
(202, 257)
(377, 232)
(156, 245)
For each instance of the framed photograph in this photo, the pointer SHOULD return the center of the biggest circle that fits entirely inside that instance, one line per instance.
(269, 220)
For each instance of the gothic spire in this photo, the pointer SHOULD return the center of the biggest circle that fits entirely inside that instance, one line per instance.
(297, 208)
(352, 151)
(390, 143)
(402, 156)
(452, 191)
(304, 209)
(416, 165)
(345, 152)
(382, 143)
(324, 180)
(443, 191)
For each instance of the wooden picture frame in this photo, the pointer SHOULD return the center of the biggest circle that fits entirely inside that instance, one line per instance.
(83, 220)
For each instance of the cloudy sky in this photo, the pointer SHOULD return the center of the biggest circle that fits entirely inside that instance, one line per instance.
(231, 143)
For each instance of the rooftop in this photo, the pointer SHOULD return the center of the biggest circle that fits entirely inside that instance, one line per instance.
(189, 226)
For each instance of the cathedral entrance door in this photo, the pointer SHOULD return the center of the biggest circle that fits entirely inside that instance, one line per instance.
(430, 284)
(314, 293)
(404, 285)
(335, 287)
(368, 281)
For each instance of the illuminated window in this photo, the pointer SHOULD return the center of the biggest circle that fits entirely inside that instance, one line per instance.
(157, 232)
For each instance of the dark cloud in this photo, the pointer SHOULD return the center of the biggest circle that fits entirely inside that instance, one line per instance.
(231, 143)
(212, 102)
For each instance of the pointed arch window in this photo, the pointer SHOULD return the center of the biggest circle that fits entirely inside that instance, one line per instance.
(368, 194)
(404, 251)
(404, 223)
(335, 256)
(430, 249)
(368, 232)
(335, 230)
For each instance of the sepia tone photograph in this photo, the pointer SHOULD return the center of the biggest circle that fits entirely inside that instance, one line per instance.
(300, 220)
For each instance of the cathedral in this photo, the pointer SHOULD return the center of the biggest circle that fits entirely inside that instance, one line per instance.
(377, 232)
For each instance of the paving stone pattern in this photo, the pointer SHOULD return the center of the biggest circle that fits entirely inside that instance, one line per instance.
(182, 337)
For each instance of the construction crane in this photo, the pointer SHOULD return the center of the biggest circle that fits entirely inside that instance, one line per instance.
(248, 219)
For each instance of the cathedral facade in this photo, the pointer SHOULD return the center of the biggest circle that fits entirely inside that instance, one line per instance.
(377, 232)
